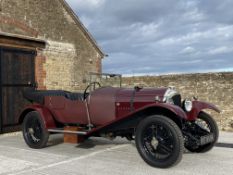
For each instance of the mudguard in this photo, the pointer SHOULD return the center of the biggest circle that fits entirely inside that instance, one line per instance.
(198, 106)
(172, 108)
(45, 115)
(178, 111)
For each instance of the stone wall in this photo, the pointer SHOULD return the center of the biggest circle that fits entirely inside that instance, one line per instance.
(59, 67)
(216, 88)
(69, 54)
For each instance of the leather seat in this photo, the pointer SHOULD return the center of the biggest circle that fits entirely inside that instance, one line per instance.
(74, 96)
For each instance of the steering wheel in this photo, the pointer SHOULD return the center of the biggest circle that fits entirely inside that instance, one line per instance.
(93, 84)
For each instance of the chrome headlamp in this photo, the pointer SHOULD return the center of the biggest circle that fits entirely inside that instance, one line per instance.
(188, 105)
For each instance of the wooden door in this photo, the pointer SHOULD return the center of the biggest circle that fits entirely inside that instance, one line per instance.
(17, 73)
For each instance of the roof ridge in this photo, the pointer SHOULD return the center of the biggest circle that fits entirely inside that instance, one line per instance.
(83, 28)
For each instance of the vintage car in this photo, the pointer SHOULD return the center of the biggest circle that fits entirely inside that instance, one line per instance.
(160, 122)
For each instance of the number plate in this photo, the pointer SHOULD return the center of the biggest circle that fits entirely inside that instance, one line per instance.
(206, 139)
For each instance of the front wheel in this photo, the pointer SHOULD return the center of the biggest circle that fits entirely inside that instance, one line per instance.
(159, 141)
(208, 124)
(34, 132)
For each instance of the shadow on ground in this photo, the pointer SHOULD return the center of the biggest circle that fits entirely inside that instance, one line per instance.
(92, 142)
(57, 139)
(224, 145)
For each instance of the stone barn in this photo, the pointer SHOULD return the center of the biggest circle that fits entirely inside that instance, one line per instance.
(41, 42)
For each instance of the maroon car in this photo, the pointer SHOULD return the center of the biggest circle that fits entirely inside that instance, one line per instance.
(156, 118)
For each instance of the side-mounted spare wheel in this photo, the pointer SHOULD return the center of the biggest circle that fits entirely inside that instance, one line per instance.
(34, 132)
(159, 141)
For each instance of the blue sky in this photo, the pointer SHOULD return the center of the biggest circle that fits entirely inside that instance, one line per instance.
(151, 37)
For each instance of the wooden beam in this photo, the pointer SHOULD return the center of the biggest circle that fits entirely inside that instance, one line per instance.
(21, 42)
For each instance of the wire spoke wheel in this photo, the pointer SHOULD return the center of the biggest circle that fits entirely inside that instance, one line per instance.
(159, 141)
(34, 132)
(205, 125)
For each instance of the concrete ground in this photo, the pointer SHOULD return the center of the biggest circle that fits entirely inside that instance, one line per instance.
(100, 156)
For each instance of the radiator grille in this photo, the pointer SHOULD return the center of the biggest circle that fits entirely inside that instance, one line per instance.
(177, 100)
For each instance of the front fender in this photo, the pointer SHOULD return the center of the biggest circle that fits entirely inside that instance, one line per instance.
(44, 114)
(198, 106)
(178, 111)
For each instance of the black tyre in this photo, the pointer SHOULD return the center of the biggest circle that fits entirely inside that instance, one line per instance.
(159, 141)
(209, 124)
(34, 132)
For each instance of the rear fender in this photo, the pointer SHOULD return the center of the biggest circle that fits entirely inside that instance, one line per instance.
(45, 115)
(199, 106)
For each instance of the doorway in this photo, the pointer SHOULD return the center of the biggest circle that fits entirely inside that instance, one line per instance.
(17, 72)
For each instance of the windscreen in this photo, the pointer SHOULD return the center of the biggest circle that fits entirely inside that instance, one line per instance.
(113, 80)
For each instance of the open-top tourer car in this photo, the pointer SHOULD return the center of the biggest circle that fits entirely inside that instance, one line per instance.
(156, 118)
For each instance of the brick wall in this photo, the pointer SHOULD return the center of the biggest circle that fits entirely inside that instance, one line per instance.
(216, 88)
(40, 72)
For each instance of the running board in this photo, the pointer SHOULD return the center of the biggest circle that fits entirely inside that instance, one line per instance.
(67, 131)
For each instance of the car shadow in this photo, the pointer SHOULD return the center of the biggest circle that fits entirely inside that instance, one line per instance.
(55, 139)
(224, 145)
(93, 142)
(219, 144)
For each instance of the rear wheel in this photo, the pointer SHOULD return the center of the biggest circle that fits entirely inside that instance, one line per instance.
(34, 132)
(208, 124)
(159, 141)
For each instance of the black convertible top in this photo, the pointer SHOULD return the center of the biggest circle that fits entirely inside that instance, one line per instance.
(38, 95)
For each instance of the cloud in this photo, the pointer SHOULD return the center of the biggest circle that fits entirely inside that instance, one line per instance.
(187, 50)
(86, 4)
(217, 11)
(221, 50)
(160, 37)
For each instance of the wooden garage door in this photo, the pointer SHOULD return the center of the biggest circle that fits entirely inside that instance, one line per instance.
(17, 73)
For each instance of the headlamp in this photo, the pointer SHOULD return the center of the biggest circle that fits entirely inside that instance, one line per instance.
(188, 105)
